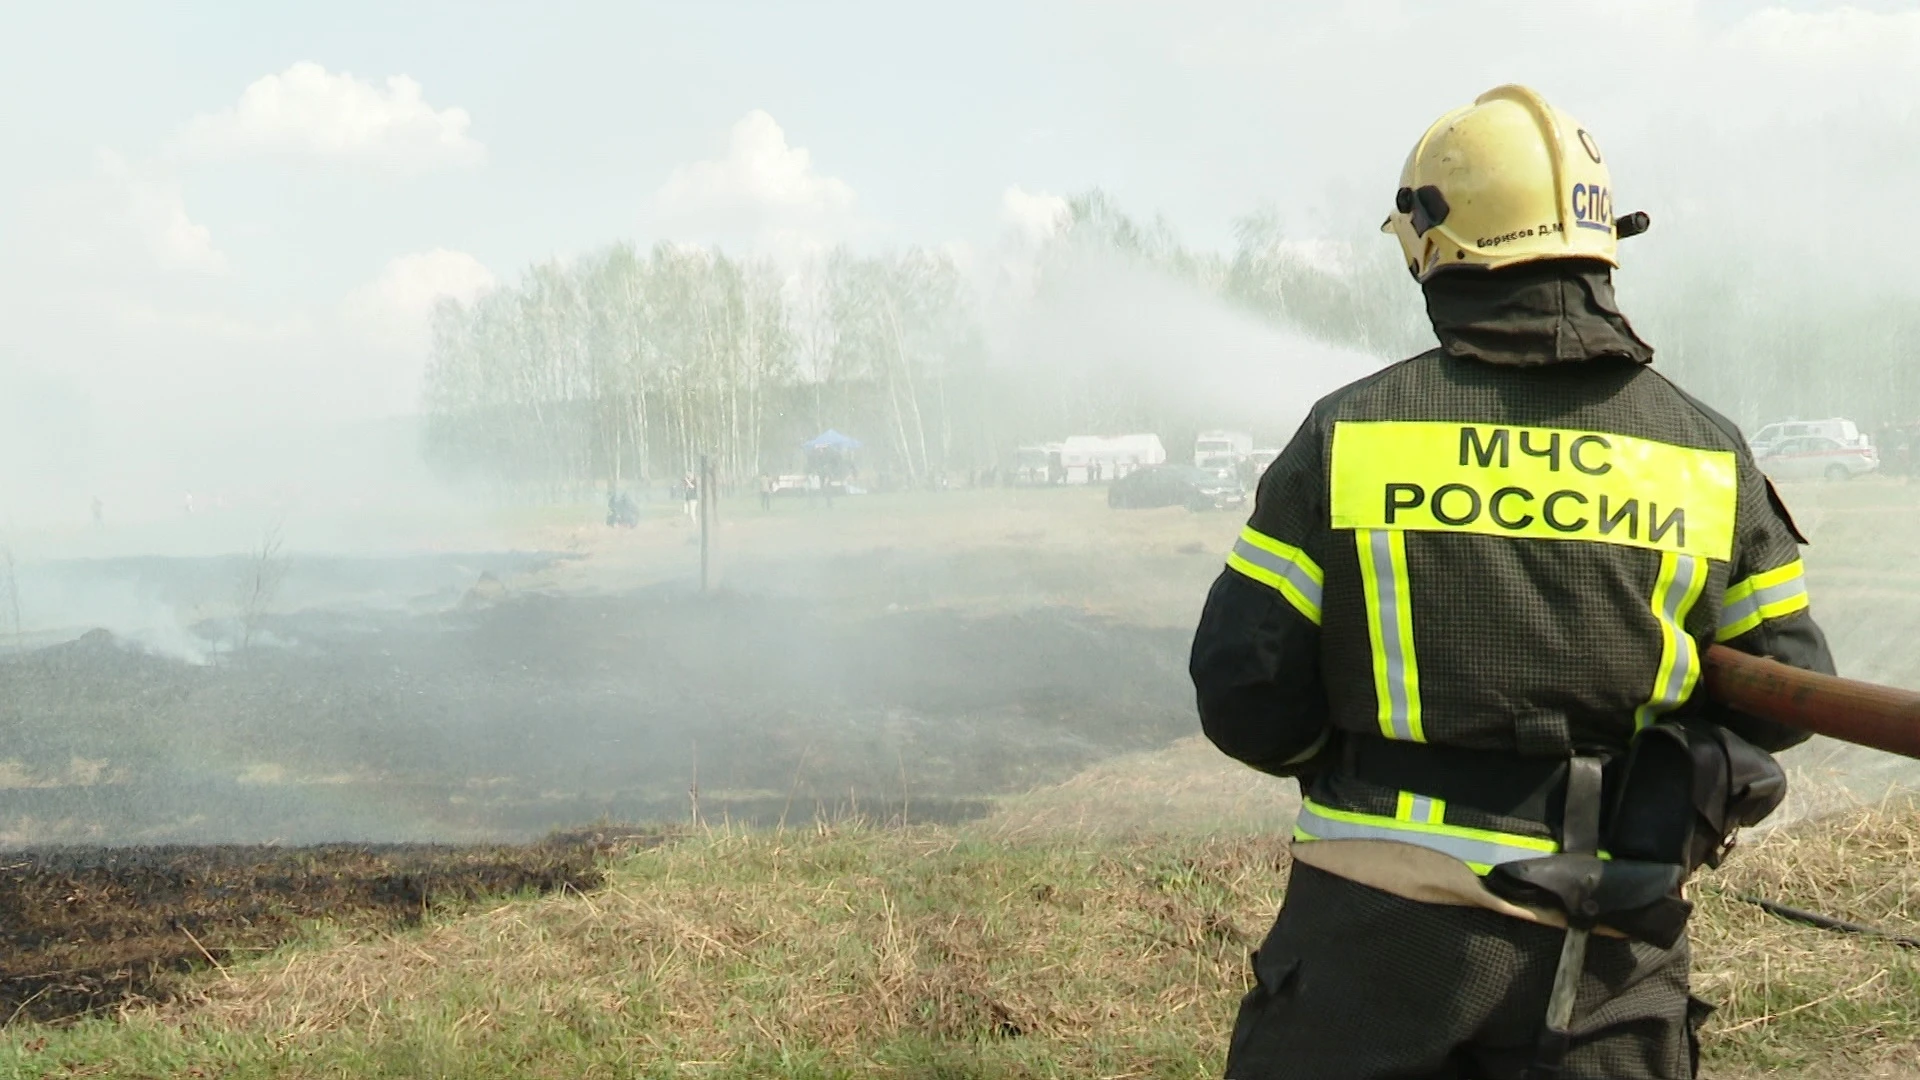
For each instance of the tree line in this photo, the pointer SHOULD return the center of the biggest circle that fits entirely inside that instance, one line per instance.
(622, 367)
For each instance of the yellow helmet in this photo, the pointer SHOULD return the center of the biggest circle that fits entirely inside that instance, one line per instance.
(1508, 179)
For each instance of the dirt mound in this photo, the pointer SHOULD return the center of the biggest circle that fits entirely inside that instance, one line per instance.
(83, 929)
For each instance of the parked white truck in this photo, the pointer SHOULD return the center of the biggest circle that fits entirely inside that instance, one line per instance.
(1222, 452)
(1090, 459)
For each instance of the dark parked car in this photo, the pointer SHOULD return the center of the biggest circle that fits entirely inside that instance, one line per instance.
(1174, 485)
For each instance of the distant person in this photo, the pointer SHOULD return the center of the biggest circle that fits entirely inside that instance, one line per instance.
(690, 496)
(1481, 657)
(766, 492)
(622, 511)
(189, 504)
(99, 512)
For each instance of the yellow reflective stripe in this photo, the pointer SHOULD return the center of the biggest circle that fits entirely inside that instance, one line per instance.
(1787, 606)
(1285, 551)
(1410, 673)
(1396, 673)
(1421, 808)
(1282, 567)
(1533, 483)
(1767, 579)
(1769, 594)
(1369, 582)
(1480, 849)
(1675, 589)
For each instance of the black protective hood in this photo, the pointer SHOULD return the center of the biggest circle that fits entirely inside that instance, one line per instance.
(1549, 312)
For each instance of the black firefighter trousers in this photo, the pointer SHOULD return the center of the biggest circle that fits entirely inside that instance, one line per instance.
(1358, 984)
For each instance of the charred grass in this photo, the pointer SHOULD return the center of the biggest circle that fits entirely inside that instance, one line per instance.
(89, 929)
(855, 952)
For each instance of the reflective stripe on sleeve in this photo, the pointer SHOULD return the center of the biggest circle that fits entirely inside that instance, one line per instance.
(1769, 594)
(1675, 589)
(1282, 567)
(1480, 849)
(1396, 673)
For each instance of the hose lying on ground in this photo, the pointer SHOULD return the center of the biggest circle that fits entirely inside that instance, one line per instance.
(1827, 922)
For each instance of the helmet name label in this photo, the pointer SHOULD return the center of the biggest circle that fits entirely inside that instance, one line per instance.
(1547, 228)
(1533, 483)
(1508, 238)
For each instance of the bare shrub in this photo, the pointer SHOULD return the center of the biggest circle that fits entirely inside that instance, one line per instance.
(260, 582)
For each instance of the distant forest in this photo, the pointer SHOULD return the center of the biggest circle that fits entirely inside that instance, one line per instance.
(623, 366)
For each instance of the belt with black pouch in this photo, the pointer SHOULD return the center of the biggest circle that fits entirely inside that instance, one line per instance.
(1669, 805)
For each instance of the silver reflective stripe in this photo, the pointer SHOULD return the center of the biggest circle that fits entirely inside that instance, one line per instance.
(1422, 809)
(1739, 611)
(1684, 661)
(1467, 850)
(1386, 616)
(1295, 574)
(1748, 607)
(1675, 589)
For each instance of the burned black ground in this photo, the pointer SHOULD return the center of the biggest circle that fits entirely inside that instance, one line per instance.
(506, 719)
(85, 929)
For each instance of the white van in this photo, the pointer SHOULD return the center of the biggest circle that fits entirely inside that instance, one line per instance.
(1842, 431)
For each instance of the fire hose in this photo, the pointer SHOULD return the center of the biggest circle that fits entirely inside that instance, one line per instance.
(1862, 713)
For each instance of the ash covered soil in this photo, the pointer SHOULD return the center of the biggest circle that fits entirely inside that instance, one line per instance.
(513, 713)
(398, 733)
(170, 802)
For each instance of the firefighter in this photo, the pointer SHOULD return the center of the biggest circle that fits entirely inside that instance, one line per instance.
(1468, 613)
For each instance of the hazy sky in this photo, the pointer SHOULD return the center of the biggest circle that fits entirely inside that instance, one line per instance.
(215, 215)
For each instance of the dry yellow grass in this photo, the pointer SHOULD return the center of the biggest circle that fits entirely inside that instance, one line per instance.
(821, 952)
(980, 952)
(1797, 996)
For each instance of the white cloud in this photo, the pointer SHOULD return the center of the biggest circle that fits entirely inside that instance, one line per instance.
(1034, 215)
(393, 309)
(154, 209)
(305, 111)
(761, 186)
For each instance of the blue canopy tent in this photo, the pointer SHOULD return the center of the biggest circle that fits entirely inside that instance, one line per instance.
(830, 457)
(831, 440)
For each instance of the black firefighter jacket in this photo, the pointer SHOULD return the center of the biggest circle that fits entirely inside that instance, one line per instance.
(1514, 546)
